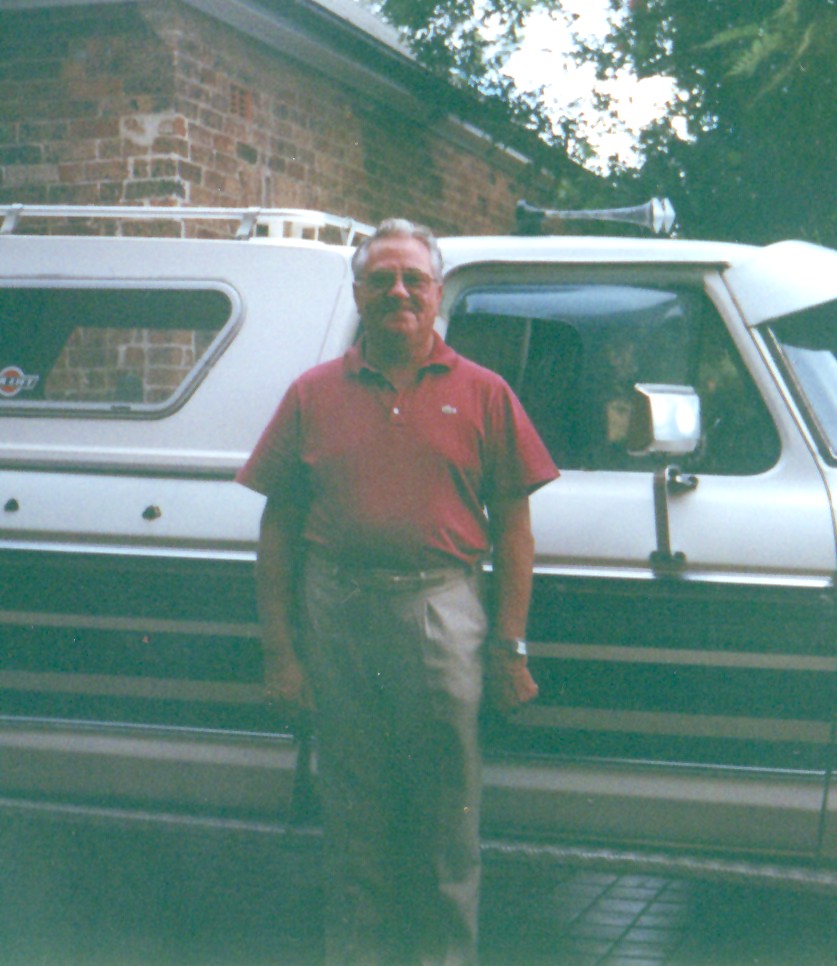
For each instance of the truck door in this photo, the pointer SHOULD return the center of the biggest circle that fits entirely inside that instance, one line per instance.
(701, 690)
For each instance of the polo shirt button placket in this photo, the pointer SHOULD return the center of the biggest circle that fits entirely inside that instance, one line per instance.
(396, 412)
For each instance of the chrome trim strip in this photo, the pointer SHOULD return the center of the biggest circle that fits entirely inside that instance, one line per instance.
(686, 656)
(126, 550)
(141, 625)
(790, 581)
(675, 725)
(615, 860)
(591, 571)
(113, 686)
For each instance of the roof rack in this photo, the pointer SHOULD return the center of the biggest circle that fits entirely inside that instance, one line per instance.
(276, 222)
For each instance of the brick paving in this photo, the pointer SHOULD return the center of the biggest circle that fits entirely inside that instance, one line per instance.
(73, 894)
(578, 917)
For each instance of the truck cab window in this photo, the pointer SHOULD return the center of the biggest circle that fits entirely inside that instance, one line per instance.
(806, 344)
(574, 352)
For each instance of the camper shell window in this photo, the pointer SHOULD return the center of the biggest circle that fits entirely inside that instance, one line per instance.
(120, 349)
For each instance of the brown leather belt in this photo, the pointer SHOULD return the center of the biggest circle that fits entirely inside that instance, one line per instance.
(393, 581)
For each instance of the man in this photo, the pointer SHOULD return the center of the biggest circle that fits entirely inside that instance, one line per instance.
(378, 468)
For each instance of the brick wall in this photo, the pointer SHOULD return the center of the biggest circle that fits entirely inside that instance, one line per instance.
(154, 103)
(133, 366)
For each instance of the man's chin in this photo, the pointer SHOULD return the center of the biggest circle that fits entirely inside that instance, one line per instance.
(398, 324)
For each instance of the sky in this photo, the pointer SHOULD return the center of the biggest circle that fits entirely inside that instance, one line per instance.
(544, 59)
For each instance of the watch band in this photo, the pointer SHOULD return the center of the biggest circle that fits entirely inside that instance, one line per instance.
(511, 645)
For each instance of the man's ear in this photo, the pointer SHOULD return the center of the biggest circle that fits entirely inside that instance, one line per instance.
(357, 292)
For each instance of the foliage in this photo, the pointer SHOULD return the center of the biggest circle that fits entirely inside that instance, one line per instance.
(749, 149)
(467, 43)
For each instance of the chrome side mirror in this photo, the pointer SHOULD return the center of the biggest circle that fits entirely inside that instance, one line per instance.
(664, 419)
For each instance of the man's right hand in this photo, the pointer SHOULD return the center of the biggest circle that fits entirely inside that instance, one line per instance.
(285, 682)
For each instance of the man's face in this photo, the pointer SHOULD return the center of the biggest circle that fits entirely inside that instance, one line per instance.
(397, 296)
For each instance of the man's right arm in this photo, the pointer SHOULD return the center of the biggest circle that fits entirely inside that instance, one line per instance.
(280, 545)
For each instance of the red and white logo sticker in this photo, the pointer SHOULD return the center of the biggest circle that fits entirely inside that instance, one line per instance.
(14, 380)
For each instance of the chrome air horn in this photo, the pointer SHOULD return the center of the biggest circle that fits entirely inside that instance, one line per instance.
(656, 215)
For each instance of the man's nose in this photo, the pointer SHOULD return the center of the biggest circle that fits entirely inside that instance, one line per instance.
(398, 289)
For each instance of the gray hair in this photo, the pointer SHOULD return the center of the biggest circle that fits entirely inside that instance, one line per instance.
(393, 227)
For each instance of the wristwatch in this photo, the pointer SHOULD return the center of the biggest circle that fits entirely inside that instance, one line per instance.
(511, 645)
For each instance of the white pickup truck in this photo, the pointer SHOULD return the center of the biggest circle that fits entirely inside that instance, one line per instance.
(683, 624)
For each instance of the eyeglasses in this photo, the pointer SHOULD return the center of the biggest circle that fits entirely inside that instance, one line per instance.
(413, 280)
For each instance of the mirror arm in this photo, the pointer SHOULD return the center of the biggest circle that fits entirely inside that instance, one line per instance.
(668, 479)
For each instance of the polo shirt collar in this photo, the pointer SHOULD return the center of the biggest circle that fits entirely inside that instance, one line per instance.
(441, 357)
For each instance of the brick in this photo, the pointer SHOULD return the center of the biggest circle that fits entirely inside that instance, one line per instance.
(194, 92)
(169, 356)
(23, 194)
(212, 119)
(41, 131)
(138, 190)
(223, 143)
(173, 126)
(200, 155)
(150, 104)
(23, 174)
(247, 153)
(110, 193)
(132, 149)
(94, 88)
(110, 148)
(72, 194)
(166, 228)
(106, 170)
(296, 171)
(71, 173)
(206, 197)
(224, 164)
(171, 145)
(234, 128)
(214, 181)
(100, 127)
(163, 168)
(135, 125)
(57, 107)
(21, 154)
(188, 109)
(189, 172)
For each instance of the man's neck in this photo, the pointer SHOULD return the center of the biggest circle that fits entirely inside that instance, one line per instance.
(400, 363)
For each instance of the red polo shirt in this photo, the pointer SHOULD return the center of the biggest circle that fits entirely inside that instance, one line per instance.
(398, 479)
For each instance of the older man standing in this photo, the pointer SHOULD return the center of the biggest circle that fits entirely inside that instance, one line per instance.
(390, 474)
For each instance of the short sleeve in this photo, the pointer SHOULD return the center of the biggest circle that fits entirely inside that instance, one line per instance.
(275, 467)
(519, 463)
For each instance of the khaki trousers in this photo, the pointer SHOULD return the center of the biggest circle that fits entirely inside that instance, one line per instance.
(396, 668)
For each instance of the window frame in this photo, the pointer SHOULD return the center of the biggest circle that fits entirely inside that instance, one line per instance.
(132, 410)
(703, 280)
(822, 437)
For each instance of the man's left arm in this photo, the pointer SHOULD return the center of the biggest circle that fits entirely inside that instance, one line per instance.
(513, 555)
